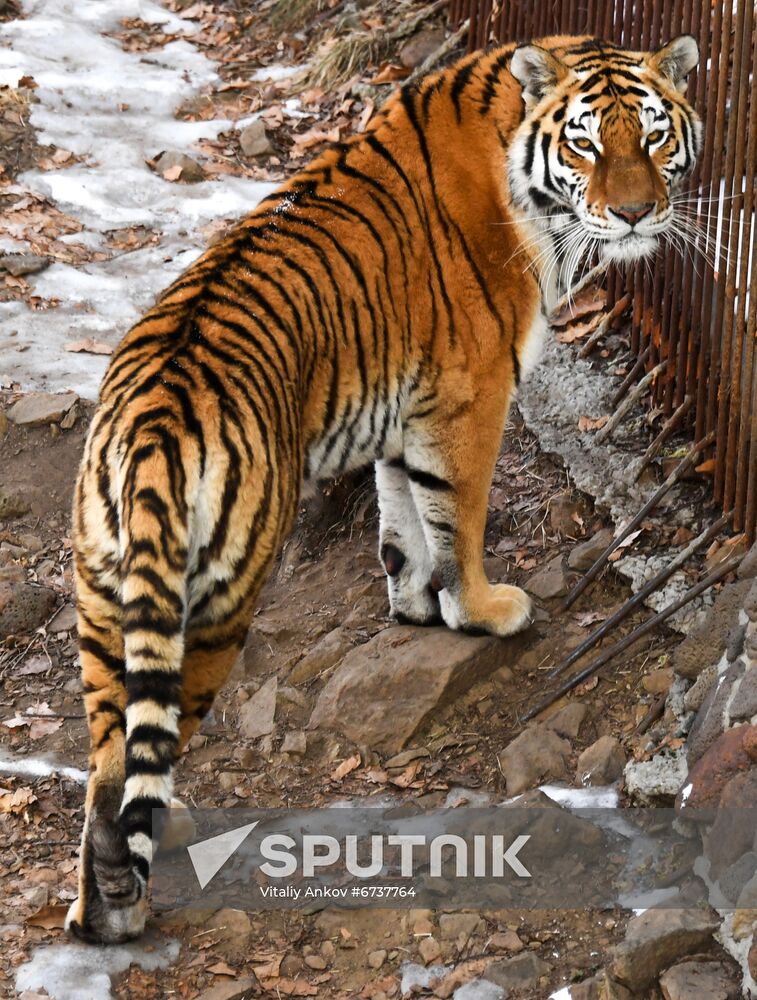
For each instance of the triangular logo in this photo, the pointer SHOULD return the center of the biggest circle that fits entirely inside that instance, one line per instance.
(210, 855)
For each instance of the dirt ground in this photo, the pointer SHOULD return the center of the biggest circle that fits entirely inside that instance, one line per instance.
(328, 580)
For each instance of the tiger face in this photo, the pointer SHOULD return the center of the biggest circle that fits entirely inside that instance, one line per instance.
(606, 141)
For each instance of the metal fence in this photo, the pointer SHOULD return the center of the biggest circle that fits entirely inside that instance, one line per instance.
(695, 318)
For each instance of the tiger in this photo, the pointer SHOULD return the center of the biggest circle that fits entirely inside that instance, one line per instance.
(381, 306)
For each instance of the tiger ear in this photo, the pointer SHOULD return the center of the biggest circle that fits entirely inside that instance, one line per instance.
(537, 71)
(676, 60)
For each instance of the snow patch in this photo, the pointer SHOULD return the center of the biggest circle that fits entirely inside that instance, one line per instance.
(84, 79)
(39, 767)
(75, 971)
(563, 994)
(582, 798)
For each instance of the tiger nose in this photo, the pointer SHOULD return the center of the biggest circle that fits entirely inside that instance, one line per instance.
(632, 213)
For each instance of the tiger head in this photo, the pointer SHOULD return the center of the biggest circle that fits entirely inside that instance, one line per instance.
(606, 140)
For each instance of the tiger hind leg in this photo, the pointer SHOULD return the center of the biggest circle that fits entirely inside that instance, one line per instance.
(103, 677)
(403, 549)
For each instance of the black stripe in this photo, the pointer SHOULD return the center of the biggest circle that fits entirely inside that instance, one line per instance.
(428, 480)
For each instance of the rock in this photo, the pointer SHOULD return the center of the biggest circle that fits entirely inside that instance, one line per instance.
(401, 760)
(179, 167)
(38, 408)
(377, 958)
(24, 607)
(655, 939)
(696, 980)
(254, 140)
(256, 715)
(19, 264)
(659, 681)
(235, 989)
(537, 754)
(328, 651)
(583, 556)
(33, 543)
(660, 777)
(455, 926)
(423, 44)
(737, 876)
(602, 763)
(506, 941)
(705, 643)
(65, 620)
(712, 718)
(479, 989)
(599, 987)
(12, 504)
(731, 835)
(695, 696)
(518, 973)
(743, 706)
(234, 929)
(228, 780)
(295, 742)
(384, 691)
(567, 722)
(751, 959)
(315, 962)
(549, 582)
(734, 752)
(429, 950)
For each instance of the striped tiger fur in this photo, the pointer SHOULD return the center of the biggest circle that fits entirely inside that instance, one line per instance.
(381, 306)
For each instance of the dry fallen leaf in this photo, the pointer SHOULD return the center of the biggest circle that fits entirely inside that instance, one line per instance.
(88, 346)
(591, 424)
(586, 618)
(44, 727)
(49, 917)
(222, 969)
(579, 330)
(707, 467)
(17, 800)
(172, 173)
(345, 767)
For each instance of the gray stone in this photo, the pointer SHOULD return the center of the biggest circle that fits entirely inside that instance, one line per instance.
(658, 778)
(699, 980)
(737, 875)
(38, 408)
(12, 504)
(705, 642)
(65, 620)
(599, 987)
(743, 708)
(190, 170)
(549, 582)
(711, 720)
(602, 763)
(294, 742)
(583, 556)
(458, 925)
(750, 603)
(326, 652)
(254, 140)
(256, 715)
(24, 607)
(567, 722)
(19, 264)
(537, 754)
(384, 691)
(520, 972)
(695, 696)
(423, 44)
(748, 565)
(656, 938)
(735, 641)
(479, 989)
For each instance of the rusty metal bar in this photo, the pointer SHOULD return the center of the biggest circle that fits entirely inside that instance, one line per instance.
(631, 377)
(672, 423)
(639, 597)
(686, 463)
(638, 633)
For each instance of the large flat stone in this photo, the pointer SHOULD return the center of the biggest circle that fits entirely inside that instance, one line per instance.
(41, 408)
(385, 690)
(705, 643)
(655, 939)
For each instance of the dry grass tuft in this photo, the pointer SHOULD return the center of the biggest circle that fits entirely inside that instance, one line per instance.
(290, 15)
(349, 56)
